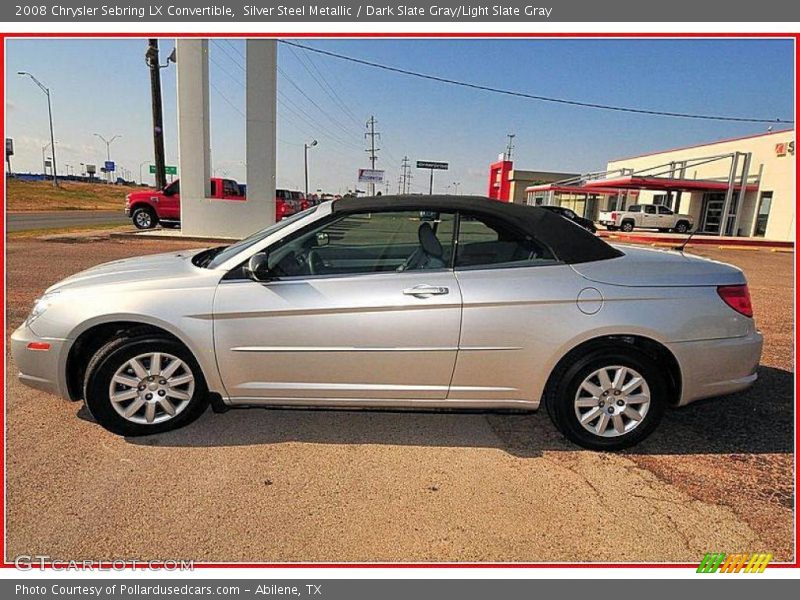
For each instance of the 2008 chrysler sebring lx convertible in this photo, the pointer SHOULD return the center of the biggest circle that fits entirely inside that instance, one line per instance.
(399, 302)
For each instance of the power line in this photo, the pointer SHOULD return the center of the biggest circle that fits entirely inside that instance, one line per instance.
(486, 88)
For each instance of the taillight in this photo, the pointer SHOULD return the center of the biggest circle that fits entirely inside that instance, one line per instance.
(613, 216)
(737, 297)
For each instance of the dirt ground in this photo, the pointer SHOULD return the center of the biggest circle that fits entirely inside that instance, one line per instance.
(275, 485)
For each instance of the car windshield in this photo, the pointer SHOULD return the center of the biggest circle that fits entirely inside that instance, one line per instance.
(227, 252)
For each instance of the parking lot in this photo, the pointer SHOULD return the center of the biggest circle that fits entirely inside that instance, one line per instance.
(276, 485)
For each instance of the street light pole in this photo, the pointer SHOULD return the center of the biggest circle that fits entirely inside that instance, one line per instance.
(50, 118)
(141, 164)
(305, 160)
(108, 150)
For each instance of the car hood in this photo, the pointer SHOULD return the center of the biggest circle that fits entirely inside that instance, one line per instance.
(648, 267)
(141, 269)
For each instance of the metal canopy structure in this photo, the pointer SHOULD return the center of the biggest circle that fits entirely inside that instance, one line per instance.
(673, 177)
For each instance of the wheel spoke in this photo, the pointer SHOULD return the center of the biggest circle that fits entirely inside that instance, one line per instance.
(619, 377)
(602, 423)
(180, 379)
(171, 368)
(595, 391)
(605, 382)
(638, 399)
(138, 368)
(619, 426)
(167, 406)
(632, 413)
(155, 363)
(133, 407)
(125, 380)
(586, 402)
(590, 416)
(150, 412)
(634, 383)
(178, 394)
(124, 395)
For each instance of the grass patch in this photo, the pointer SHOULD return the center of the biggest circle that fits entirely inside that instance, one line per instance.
(31, 196)
(34, 233)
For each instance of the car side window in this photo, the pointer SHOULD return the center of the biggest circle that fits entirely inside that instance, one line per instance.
(483, 242)
(663, 210)
(364, 243)
(635, 208)
(650, 209)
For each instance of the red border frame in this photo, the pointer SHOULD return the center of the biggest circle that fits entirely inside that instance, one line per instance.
(422, 35)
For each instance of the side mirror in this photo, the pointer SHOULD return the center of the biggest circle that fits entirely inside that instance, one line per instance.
(323, 239)
(168, 191)
(257, 268)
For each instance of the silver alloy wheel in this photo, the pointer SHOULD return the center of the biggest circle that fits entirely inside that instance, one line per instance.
(612, 401)
(144, 219)
(151, 388)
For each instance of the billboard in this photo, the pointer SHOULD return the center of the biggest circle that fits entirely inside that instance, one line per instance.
(370, 176)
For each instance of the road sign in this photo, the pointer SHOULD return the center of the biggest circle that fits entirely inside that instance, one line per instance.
(168, 170)
(109, 166)
(430, 164)
(91, 169)
(370, 176)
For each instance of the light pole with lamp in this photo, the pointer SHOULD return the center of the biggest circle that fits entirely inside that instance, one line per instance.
(141, 164)
(46, 91)
(108, 149)
(305, 160)
(455, 185)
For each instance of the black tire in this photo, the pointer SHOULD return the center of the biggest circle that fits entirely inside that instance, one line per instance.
(170, 224)
(105, 363)
(682, 227)
(611, 227)
(144, 217)
(561, 392)
(627, 226)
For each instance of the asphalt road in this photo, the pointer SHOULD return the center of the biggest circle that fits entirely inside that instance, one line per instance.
(26, 221)
(280, 485)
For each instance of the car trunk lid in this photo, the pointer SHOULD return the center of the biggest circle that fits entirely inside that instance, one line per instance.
(649, 267)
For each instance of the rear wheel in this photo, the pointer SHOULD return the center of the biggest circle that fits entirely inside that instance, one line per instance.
(144, 217)
(143, 385)
(608, 399)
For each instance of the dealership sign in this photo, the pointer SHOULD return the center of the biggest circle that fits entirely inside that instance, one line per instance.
(431, 164)
(784, 148)
(370, 176)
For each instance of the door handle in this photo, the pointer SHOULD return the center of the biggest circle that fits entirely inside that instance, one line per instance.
(424, 291)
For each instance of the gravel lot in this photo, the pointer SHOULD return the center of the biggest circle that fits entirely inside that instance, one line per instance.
(273, 485)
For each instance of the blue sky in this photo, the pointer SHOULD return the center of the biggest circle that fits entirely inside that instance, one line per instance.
(103, 86)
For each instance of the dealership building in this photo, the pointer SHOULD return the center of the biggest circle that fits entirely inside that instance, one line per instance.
(736, 187)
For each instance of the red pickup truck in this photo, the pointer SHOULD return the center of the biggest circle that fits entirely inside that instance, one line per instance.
(150, 207)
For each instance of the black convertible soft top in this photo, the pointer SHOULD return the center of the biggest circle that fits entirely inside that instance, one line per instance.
(569, 242)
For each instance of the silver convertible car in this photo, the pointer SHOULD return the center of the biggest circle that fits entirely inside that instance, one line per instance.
(403, 302)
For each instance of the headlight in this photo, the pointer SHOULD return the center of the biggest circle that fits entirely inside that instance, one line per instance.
(41, 305)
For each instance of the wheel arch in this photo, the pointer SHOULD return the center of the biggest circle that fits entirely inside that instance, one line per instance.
(647, 345)
(95, 334)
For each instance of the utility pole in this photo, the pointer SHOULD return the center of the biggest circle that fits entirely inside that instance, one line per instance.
(108, 151)
(405, 166)
(372, 134)
(46, 92)
(151, 59)
(510, 145)
(305, 160)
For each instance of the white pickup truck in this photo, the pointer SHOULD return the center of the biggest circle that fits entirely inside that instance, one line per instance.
(646, 216)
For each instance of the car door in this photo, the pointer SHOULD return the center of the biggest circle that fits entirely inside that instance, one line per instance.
(346, 317)
(665, 218)
(169, 202)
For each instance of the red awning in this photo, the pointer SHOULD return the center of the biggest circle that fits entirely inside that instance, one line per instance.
(633, 182)
(571, 189)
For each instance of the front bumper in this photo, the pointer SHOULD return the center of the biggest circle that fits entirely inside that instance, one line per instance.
(40, 369)
(717, 367)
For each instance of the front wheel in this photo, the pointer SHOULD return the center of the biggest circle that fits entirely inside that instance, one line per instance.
(681, 227)
(144, 218)
(627, 226)
(143, 385)
(608, 399)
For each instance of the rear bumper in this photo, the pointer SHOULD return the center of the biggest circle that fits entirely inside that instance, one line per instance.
(40, 369)
(717, 367)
